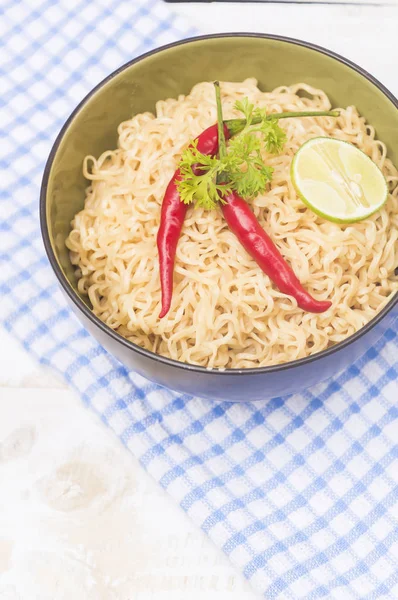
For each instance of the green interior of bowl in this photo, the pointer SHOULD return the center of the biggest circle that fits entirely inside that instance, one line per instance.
(173, 71)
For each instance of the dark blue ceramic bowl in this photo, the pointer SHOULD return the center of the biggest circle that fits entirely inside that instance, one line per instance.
(165, 73)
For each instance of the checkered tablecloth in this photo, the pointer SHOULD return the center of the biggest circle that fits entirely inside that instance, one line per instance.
(301, 492)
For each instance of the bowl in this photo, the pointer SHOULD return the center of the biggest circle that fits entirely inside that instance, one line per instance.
(165, 73)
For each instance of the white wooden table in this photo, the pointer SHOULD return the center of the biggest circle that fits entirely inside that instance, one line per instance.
(79, 519)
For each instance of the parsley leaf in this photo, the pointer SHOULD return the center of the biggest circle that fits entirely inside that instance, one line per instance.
(245, 167)
(198, 181)
(246, 109)
(273, 135)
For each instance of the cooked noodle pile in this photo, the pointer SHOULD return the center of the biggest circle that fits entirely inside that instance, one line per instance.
(225, 312)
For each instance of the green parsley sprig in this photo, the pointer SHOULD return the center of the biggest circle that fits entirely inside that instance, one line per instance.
(204, 178)
(242, 166)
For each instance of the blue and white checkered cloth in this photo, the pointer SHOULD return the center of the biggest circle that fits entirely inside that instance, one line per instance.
(300, 492)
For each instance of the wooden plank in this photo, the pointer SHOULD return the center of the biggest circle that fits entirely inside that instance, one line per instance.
(80, 519)
(365, 34)
(321, 2)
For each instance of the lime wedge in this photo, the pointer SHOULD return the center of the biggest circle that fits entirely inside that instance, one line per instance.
(337, 180)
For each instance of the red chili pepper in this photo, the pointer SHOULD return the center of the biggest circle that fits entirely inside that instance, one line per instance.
(261, 248)
(172, 218)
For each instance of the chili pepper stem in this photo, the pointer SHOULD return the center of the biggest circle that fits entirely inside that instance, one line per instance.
(222, 145)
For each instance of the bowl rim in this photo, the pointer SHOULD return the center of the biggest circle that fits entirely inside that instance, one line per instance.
(78, 302)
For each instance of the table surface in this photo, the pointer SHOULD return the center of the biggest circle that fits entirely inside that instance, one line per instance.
(79, 518)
